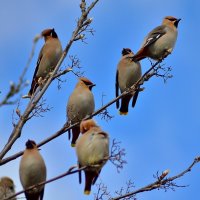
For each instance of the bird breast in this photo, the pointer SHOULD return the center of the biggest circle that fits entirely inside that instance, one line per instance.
(165, 43)
(32, 170)
(93, 150)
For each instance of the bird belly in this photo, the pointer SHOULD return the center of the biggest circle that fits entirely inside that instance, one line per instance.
(162, 47)
(34, 172)
(83, 107)
(129, 76)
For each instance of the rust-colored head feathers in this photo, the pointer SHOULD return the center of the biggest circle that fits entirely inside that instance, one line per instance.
(87, 82)
(87, 124)
(171, 20)
(49, 32)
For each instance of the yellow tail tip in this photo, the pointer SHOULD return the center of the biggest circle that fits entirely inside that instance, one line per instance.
(123, 113)
(87, 192)
(73, 145)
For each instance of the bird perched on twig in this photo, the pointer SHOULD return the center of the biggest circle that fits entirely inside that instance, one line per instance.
(92, 150)
(32, 171)
(80, 104)
(47, 60)
(160, 42)
(7, 188)
(128, 73)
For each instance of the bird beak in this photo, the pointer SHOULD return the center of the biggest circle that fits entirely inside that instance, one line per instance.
(91, 86)
(176, 22)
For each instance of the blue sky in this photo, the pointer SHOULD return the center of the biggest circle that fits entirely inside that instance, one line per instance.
(161, 132)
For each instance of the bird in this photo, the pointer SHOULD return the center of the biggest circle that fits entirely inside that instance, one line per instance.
(160, 42)
(7, 188)
(92, 150)
(80, 104)
(128, 73)
(32, 171)
(47, 60)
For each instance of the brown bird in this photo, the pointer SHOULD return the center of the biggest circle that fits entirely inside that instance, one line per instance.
(92, 149)
(128, 73)
(32, 171)
(160, 42)
(48, 58)
(7, 188)
(80, 104)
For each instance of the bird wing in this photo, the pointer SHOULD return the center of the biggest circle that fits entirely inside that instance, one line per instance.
(38, 62)
(34, 79)
(135, 98)
(117, 89)
(154, 35)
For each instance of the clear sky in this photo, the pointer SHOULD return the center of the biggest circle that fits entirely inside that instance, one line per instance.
(162, 132)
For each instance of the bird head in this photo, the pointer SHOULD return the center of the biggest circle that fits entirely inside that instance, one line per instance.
(30, 144)
(171, 20)
(126, 51)
(87, 82)
(86, 125)
(7, 182)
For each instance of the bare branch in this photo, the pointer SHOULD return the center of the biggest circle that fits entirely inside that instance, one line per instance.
(147, 75)
(161, 182)
(39, 109)
(18, 128)
(15, 88)
(116, 155)
(102, 192)
(67, 173)
(104, 114)
(125, 190)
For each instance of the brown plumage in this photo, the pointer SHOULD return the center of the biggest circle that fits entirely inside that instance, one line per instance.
(160, 42)
(32, 171)
(128, 73)
(48, 58)
(80, 104)
(7, 188)
(92, 149)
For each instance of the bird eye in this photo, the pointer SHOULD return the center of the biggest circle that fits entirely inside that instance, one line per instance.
(11, 188)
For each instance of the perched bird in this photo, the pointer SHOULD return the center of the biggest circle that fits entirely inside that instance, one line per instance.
(92, 150)
(80, 104)
(7, 188)
(32, 171)
(159, 43)
(128, 73)
(48, 58)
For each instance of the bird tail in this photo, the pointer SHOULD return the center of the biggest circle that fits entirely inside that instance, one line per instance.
(139, 55)
(34, 86)
(90, 178)
(124, 105)
(135, 98)
(32, 196)
(75, 134)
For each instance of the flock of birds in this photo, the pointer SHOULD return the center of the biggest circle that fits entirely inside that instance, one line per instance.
(92, 147)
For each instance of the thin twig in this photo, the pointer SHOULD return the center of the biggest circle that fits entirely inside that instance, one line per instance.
(67, 173)
(16, 88)
(160, 182)
(67, 127)
(16, 133)
(70, 171)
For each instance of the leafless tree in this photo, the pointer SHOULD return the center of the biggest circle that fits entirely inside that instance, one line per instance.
(38, 105)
